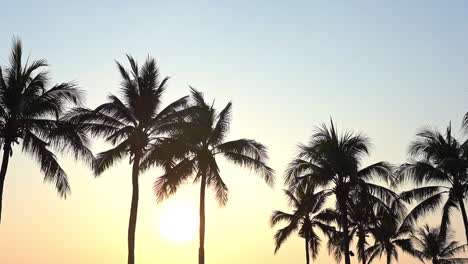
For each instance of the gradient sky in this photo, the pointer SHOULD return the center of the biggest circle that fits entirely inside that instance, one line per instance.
(385, 68)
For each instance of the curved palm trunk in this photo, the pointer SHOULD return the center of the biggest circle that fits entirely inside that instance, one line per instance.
(133, 210)
(307, 250)
(3, 170)
(465, 218)
(201, 250)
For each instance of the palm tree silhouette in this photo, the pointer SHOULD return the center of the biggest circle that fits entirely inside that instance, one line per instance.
(334, 160)
(31, 115)
(429, 244)
(199, 141)
(442, 160)
(133, 125)
(307, 214)
(390, 234)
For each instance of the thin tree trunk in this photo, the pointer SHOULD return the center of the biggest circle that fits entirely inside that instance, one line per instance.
(465, 218)
(3, 170)
(307, 250)
(201, 251)
(362, 245)
(344, 219)
(389, 258)
(133, 210)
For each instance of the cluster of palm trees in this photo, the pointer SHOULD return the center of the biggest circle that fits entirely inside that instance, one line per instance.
(367, 213)
(184, 138)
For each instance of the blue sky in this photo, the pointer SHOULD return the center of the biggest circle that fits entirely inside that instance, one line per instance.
(385, 68)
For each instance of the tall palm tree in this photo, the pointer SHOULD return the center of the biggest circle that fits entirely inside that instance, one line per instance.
(333, 161)
(389, 234)
(307, 215)
(133, 124)
(31, 116)
(440, 164)
(198, 143)
(429, 244)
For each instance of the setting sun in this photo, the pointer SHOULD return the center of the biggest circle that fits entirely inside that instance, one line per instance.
(178, 223)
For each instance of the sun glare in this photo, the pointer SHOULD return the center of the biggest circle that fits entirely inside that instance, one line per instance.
(178, 223)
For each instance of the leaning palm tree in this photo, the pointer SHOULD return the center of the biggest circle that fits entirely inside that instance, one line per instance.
(333, 161)
(31, 116)
(307, 215)
(133, 124)
(389, 235)
(431, 245)
(198, 142)
(440, 164)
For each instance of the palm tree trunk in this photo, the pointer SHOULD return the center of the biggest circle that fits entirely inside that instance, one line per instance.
(344, 219)
(307, 250)
(465, 218)
(133, 210)
(201, 250)
(3, 170)
(389, 258)
(362, 245)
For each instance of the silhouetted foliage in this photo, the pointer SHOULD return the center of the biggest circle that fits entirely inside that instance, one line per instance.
(333, 161)
(32, 115)
(196, 144)
(441, 162)
(134, 124)
(307, 215)
(431, 245)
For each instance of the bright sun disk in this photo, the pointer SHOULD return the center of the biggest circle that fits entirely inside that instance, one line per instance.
(178, 223)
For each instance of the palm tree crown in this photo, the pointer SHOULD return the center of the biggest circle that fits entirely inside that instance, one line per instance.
(32, 115)
(431, 245)
(307, 214)
(442, 161)
(389, 233)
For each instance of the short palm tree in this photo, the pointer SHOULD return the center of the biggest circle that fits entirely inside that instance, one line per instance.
(389, 236)
(430, 245)
(31, 115)
(133, 124)
(198, 143)
(440, 164)
(333, 161)
(307, 215)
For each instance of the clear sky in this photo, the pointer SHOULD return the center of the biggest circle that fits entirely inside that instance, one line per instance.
(385, 68)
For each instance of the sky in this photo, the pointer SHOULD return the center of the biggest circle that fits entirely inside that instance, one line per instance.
(385, 68)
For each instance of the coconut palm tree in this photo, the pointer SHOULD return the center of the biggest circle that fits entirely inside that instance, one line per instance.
(431, 245)
(200, 140)
(333, 161)
(389, 236)
(439, 163)
(31, 116)
(133, 124)
(307, 215)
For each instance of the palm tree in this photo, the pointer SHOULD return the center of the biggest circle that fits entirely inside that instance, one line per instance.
(389, 235)
(199, 141)
(31, 116)
(333, 160)
(439, 160)
(362, 218)
(430, 245)
(307, 215)
(133, 124)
